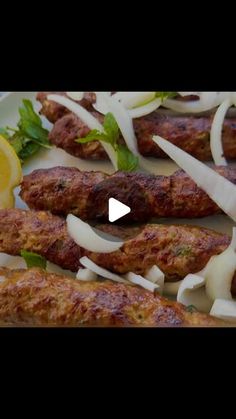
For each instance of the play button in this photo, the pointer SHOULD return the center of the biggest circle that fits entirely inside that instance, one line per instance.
(117, 210)
(120, 198)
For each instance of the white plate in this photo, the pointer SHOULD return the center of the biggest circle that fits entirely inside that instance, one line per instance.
(9, 105)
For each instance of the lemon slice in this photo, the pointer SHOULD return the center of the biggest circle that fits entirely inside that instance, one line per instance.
(10, 174)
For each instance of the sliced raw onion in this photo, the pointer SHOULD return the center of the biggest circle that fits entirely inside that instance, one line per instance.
(188, 93)
(142, 110)
(171, 288)
(216, 133)
(125, 124)
(220, 271)
(101, 105)
(145, 109)
(75, 95)
(220, 190)
(224, 309)
(192, 292)
(207, 101)
(130, 277)
(87, 263)
(144, 283)
(55, 269)
(132, 100)
(86, 275)
(88, 119)
(156, 276)
(88, 238)
(123, 120)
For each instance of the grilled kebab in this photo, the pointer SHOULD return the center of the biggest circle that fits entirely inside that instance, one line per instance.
(176, 250)
(64, 190)
(190, 133)
(37, 298)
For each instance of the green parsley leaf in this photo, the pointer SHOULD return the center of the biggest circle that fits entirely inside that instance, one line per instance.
(126, 160)
(27, 113)
(33, 260)
(17, 143)
(191, 309)
(94, 135)
(29, 136)
(4, 133)
(28, 150)
(111, 128)
(165, 95)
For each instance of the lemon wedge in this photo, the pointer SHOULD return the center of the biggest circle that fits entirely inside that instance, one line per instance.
(10, 174)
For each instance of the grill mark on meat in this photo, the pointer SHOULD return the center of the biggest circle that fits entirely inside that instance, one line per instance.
(177, 250)
(85, 194)
(53, 111)
(35, 297)
(190, 133)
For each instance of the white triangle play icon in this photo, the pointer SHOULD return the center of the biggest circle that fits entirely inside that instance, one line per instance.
(117, 210)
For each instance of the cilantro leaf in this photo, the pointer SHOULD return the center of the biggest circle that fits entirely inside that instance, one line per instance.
(4, 133)
(17, 143)
(94, 135)
(126, 160)
(33, 260)
(27, 112)
(29, 136)
(29, 150)
(191, 308)
(111, 128)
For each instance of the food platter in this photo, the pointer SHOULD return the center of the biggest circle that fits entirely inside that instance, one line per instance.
(45, 159)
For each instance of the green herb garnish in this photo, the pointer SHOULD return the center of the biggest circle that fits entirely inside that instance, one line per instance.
(33, 260)
(191, 309)
(183, 250)
(29, 136)
(126, 160)
(165, 95)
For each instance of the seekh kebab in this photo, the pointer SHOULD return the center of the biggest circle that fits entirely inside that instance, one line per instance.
(176, 249)
(190, 133)
(37, 298)
(64, 190)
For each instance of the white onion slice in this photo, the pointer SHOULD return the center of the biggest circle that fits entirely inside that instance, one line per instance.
(88, 119)
(207, 101)
(87, 263)
(125, 124)
(156, 276)
(224, 309)
(220, 190)
(172, 288)
(130, 277)
(216, 133)
(75, 95)
(132, 100)
(220, 271)
(139, 280)
(219, 275)
(55, 269)
(188, 93)
(86, 275)
(102, 106)
(192, 292)
(145, 109)
(123, 120)
(85, 236)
